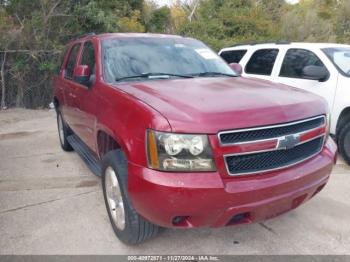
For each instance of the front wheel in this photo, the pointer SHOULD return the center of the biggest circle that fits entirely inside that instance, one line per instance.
(63, 133)
(344, 142)
(129, 227)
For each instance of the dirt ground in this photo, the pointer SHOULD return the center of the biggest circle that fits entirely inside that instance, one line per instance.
(50, 203)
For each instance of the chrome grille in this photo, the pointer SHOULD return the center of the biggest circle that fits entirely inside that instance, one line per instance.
(277, 157)
(267, 132)
(271, 160)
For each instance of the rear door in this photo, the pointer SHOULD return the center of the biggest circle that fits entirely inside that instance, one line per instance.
(290, 72)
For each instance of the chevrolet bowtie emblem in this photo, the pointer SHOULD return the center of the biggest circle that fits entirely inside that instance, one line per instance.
(288, 142)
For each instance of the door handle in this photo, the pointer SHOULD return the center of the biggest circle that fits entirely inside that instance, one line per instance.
(72, 95)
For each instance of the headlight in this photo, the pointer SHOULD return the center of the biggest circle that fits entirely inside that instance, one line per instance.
(179, 152)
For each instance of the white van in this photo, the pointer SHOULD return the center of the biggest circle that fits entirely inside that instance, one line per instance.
(323, 69)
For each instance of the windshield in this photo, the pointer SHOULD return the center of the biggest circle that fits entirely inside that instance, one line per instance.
(340, 57)
(129, 58)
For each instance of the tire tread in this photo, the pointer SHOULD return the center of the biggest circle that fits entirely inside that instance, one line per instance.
(137, 229)
(66, 130)
(344, 131)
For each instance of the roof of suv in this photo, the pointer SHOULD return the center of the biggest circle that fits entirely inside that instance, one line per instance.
(292, 44)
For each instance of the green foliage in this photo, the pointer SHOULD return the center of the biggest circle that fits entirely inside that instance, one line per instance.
(93, 18)
(342, 21)
(39, 30)
(304, 23)
(221, 23)
(132, 23)
(160, 20)
(20, 64)
(48, 67)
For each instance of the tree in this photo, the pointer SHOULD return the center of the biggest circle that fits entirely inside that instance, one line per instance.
(342, 21)
(33, 33)
(132, 23)
(302, 22)
(160, 21)
(221, 23)
(275, 8)
(178, 15)
(40, 29)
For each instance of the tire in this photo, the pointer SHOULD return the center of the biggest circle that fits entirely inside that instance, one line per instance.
(344, 142)
(128, 226)
(63, 132)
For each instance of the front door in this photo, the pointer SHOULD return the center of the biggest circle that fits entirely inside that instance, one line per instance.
(86, 95)
(69, 87)
(291, 73)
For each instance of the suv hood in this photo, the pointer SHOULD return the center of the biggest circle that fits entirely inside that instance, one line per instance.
(209, 105)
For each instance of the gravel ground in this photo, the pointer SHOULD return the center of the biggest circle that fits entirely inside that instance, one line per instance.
(50, 203)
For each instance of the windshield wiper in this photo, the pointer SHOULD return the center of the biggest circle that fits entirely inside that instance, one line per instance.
(153, 76)
(213, 74)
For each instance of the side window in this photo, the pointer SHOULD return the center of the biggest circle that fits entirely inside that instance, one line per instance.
(88, 56)
(71, 61)
(261, 62)
(295, 60)
(233, 56)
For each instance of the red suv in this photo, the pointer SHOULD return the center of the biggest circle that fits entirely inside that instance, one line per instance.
(181, 141)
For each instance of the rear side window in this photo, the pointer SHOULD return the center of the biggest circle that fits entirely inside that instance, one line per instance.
(71, 61)
(233, 56)
(88, 56)
(261, 62)
(295, 60)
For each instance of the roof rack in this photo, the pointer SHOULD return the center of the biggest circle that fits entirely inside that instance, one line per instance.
(87, 34)
(282, 42)
(70, 38)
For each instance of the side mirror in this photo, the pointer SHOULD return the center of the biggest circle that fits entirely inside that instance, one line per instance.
(313, 72)
(237, 68)
(82, 74)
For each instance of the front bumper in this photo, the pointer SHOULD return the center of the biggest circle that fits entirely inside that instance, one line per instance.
(209, 199)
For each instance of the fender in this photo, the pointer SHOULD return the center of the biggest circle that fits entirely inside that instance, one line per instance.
(125, 119)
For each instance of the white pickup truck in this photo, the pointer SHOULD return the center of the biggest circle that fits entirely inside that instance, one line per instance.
(323, 69)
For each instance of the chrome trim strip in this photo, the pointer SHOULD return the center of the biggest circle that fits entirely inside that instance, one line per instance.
(273, 149)
(277, 138)
(277, 168)
(268, 127)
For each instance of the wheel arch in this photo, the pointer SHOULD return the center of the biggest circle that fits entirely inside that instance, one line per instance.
(106, 143)
(344, 118)
(56, 103)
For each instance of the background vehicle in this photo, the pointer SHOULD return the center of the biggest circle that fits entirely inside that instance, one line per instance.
(323, 69)
(181, 141)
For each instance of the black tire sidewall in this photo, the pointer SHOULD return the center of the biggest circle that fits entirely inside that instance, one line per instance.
(109, 161)
(344, 132)
(130, 234)
(63, 140)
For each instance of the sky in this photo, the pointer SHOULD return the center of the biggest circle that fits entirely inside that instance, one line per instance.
(166, 2)
(169, 2)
